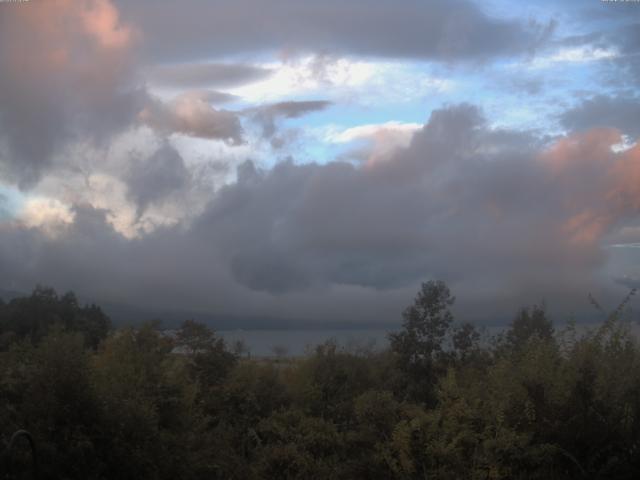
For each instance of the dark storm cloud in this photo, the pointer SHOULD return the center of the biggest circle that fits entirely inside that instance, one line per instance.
(439, 30)
(152, 179)
(396, 222)
(621, 112)
(169, 269)
(206, 75)
(268, 115)
(501, 215)
(464, 202)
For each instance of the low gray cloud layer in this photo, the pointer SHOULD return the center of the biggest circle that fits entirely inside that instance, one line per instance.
(441, 30)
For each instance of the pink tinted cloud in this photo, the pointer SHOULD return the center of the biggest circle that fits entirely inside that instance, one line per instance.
(600, 187)
(58, 35)
(67, 74)
(193, 115)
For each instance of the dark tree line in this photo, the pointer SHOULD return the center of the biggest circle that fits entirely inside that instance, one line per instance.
(441, 402)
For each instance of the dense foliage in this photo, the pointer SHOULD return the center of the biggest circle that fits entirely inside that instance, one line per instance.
(441, 402)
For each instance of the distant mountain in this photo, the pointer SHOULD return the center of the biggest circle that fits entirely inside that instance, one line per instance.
(8, 295)
(122, 314)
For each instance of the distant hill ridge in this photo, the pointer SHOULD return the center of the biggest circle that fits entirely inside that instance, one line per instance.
(122, 314)
(8, 295)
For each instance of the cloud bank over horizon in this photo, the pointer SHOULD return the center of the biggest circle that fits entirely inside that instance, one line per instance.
(318, 161)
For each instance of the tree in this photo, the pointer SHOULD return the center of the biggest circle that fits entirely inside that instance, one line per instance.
(280, 351)
(529, 323)
(327, 382)
(59, 406)
(34, 316)
(194, 337)
(419, 347)
(465, 339)
(146, 405)
(209, 360)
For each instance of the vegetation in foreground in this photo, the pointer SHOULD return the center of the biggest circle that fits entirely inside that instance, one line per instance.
(439, 403)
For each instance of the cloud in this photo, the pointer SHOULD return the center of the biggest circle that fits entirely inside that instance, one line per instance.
(206, 75)
(67, 76)
(192, 114)
(373, 130)
(345, 80)
(504, 216)
(217, 98)
(47, 214)
(575, 55)
(295, 109)
(152, 179)
(625, 38)
(462, 202)
(628, 282)
(312, 75)
(267, 116)
(436, 30)
(4, 207)
(127, 195)
(620, 112)
(383, 139)
(213, 97)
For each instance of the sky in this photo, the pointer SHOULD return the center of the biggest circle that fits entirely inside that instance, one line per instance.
(317, 160)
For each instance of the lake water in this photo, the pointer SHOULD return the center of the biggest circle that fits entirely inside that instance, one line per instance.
(297, 342)
(265, 343)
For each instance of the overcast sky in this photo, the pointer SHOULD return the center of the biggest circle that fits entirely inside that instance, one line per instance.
(316, 160)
